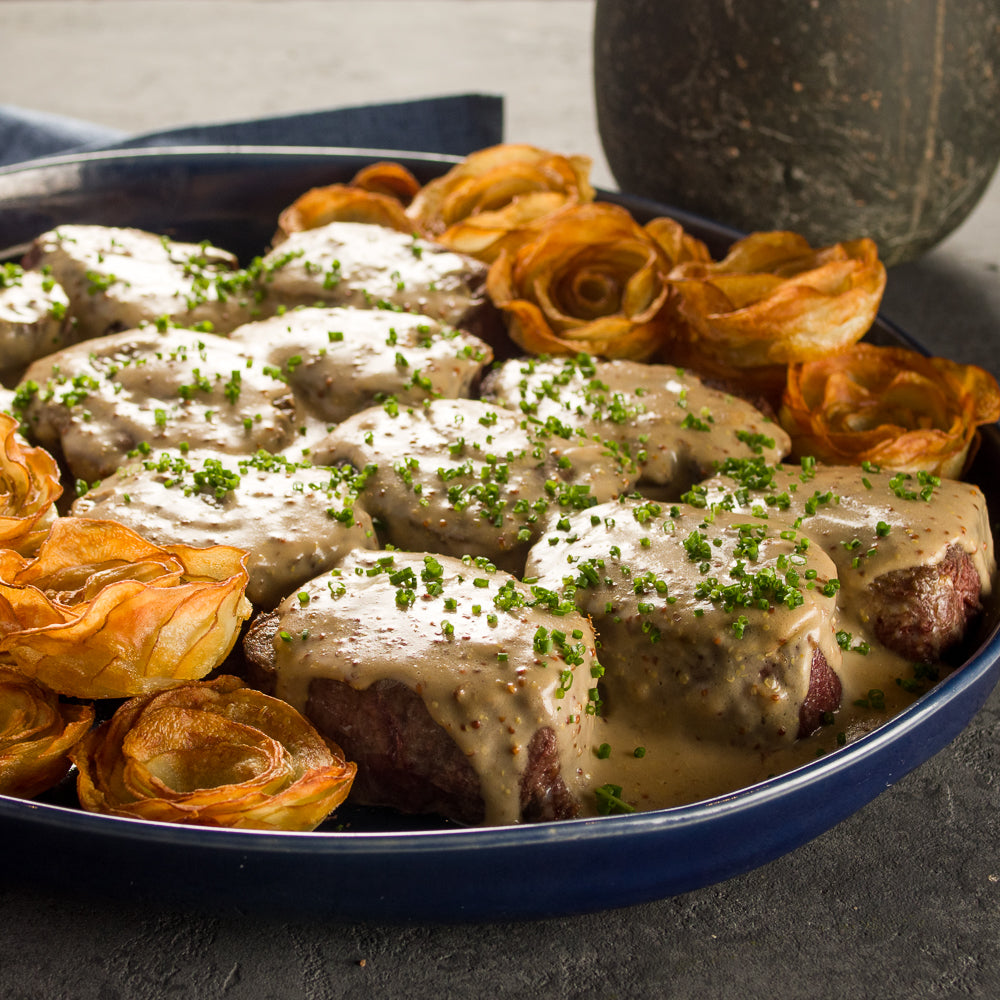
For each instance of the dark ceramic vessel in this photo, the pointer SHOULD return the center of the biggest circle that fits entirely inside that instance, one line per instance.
(835, 118)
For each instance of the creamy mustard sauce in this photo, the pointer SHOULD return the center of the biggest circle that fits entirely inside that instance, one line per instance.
(463, 476)
(96, 401)
(677, 767)
(365, 266)
(491, 668)
(293, 518)
(898, 530)
(34, 318)
(659, 737)
(117, 279)
(342, 360)
(674, 428)
(868, 521)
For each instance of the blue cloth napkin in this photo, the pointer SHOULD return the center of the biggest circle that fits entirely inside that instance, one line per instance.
(453, 125)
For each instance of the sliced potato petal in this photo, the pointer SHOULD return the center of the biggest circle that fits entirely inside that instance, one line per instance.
(37, 732)
(341, 203)
(29, 488)
(889, 406)
(212, 753)
(388, 178)
(772, 301)
(377, 194)
(589, 279)
(493, 198)
(486, 234)
(103, 613)
(676, 242)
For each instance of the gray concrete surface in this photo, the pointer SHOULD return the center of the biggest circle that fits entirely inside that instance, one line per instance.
(142, 63)
(900, 901)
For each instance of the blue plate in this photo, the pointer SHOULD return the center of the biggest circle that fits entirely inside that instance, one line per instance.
(385, 867)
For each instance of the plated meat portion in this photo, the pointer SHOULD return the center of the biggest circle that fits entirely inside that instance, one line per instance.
(670, 427)
(455, 687)
(294, 519)
(720, 627)
(914, 553)
(439, 543)
(34, 318)
(117, 279)
(95, 402)
(371, 267)
(340, 360)
(462, 476)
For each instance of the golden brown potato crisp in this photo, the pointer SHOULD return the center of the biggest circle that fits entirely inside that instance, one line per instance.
(29, 488)
(341, 203)
(487, 202)
(774, 300)
(102, 613)
(592, 280)
(212, 753)
(37, 732)
(890, 406)
(377, 194)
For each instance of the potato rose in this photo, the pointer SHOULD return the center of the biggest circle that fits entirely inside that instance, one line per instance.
(593, 280)
(889, 406)
(340, 203)
(29, 488)
(676, 242)
(485, 203)
(378, 194)
(388, 178)
(36, 734)
(101, 612)
(212, 753)
(774, 300)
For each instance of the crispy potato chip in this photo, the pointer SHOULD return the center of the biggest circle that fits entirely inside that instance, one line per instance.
(591, 279)
(377, 194)
(771, 301)
(102, 613)
(29, 488)
(212, 753)
(385, 177)
(492, 199)
(341, 203)
(890, 406)
(37, 732)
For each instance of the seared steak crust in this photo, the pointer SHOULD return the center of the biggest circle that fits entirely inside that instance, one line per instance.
(921, 611)
(823, 696)
(258, 652)
(408, 762)
(544, 795)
